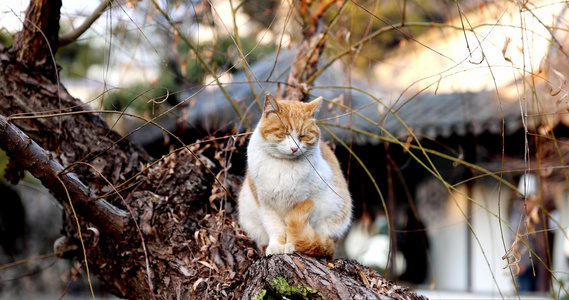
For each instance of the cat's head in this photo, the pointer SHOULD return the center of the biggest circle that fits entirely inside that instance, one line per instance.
(288, 128)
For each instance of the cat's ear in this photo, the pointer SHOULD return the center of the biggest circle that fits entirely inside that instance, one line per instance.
(271, 105)
(315, 106)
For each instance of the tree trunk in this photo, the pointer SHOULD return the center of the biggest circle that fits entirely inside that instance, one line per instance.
(297, 277)
(168, 233)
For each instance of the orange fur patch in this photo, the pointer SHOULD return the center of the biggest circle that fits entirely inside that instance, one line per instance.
(305, 239)
(253, 188)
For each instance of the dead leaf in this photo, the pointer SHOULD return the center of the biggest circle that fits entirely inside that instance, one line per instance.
(562, 82)
(505, 48)
(339, 99)
(205, 263)
(198, 282)
(132, 4)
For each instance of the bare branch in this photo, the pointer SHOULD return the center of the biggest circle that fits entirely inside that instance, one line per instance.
(72, 36)
(38, 162)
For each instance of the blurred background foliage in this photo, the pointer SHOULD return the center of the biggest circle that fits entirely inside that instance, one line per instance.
(183, 71)
(366, 17)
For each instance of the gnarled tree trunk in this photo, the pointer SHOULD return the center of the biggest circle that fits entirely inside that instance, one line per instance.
(164, 234)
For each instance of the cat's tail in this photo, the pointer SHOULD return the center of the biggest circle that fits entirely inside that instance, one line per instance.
(304, 238)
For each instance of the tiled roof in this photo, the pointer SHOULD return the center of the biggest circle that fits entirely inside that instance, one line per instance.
(428, 114)
(458, 113)
(495, 88)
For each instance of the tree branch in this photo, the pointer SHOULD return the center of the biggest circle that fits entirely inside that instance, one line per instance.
(38, 41)
(72, 36)
(305, 64)
(308, 52)
(38, 162)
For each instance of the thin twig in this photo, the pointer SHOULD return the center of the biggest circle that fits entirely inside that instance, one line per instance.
(80, 236)
(202, 62)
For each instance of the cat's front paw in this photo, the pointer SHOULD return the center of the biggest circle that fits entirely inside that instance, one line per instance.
(277, 248)
(289, 248)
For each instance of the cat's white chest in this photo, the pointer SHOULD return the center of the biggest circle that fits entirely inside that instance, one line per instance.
(283, 183)
(285, 177)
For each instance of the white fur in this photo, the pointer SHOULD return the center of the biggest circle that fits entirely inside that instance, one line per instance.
(283, 179)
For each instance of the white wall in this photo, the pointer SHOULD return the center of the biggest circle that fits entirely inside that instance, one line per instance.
(488, 274)
(448, 237)
(448, 242)
(560, 242)
(453, 60)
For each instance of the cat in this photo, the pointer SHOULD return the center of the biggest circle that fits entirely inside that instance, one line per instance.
(294, 196)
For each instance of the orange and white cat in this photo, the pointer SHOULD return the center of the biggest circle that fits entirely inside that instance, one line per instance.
(294, 196)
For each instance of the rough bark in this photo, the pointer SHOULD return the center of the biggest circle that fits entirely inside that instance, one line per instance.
(305, 65)
(192, 243)
(35, 46)
(308, 53)
(195, 248)
(26, 96)
(298, 277)
(28, 155)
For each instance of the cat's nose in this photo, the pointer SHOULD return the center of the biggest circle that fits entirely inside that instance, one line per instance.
(294, 149)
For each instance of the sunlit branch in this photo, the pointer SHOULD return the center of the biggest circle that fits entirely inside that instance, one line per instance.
(72, 36)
